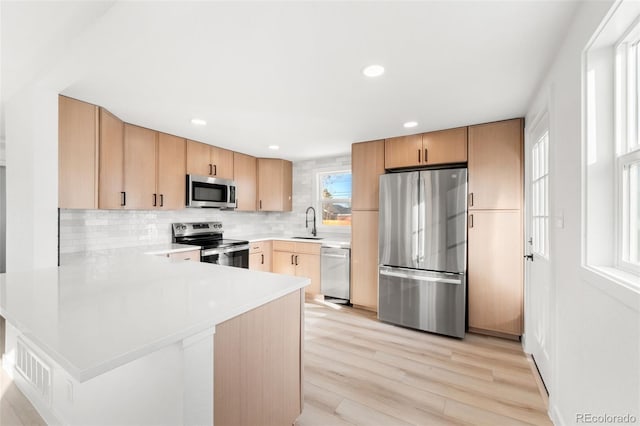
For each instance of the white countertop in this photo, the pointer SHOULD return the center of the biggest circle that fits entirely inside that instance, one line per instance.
(93, 317)
(106, 254)
(333, 240)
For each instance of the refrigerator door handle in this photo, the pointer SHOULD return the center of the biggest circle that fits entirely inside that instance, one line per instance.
(419, 277)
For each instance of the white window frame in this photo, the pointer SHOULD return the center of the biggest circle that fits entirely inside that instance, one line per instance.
(318, 201)
(623, 220)
(540, 199)
(607, 149)
(627, 132)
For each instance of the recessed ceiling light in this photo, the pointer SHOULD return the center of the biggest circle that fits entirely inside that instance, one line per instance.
(373, 71)
(410, 124)
(198, 122)
(274, 147)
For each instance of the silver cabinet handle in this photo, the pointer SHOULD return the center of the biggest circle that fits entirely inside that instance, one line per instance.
(420, 277)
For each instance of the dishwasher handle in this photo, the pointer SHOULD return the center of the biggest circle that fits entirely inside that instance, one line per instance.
(335, 256)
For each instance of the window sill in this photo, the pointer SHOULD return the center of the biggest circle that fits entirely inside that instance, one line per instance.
(622, 286)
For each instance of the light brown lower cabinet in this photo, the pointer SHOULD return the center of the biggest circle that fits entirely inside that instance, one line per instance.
(495, 273)
(258, 365)
(260, 256)
(299, 259)
(364, 259)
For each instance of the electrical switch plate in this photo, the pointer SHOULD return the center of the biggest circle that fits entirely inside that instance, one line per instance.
(559, 220)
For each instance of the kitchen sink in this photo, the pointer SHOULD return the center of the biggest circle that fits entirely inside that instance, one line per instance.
(308, 238)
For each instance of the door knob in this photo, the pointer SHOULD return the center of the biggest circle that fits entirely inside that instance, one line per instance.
(529, 257)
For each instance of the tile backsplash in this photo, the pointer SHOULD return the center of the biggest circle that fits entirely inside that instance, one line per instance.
(88, 230)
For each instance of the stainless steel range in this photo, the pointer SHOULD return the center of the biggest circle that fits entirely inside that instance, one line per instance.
(215, 249)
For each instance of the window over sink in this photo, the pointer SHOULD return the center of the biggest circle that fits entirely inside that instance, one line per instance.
(334, 199)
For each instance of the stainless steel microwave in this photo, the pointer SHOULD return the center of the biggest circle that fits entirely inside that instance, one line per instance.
(204, 191)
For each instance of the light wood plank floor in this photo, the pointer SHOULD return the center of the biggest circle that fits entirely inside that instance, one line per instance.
(359, 371)
(15, 408)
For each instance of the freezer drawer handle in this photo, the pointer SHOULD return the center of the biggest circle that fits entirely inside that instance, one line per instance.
(420, 278)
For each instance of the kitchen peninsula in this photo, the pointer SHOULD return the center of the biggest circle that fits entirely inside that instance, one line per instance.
(142, 339)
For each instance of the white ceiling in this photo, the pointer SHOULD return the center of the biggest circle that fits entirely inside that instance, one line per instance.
(289, 73)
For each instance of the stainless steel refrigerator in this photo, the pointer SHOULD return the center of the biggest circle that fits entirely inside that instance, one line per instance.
(423, 250)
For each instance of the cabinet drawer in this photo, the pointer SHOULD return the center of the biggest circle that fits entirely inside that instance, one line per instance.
(310, 248)
(256, 247)
(193, 255)
(284, 245)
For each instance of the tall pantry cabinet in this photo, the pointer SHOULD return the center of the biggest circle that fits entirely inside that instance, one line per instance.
(495, 243)
(367, 164)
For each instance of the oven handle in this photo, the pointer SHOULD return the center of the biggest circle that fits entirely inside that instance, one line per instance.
(225, 250)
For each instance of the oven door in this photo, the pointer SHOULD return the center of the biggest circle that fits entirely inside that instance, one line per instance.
(203, 191)
(237, 256)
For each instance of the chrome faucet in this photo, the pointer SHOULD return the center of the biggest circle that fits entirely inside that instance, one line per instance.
(314, 231)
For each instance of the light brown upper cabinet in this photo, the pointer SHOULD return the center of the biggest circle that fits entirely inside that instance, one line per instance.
(274, 185)
(367, 164)
(171, 172)
(445, 146)
(154, 169)
(111, 183)
(207, 160)
(426, 149)
(495, 165)
(245, 177)
(77, 154)
(140, 168)
(403, 151)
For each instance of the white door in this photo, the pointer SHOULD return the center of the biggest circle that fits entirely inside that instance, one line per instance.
(539, 305)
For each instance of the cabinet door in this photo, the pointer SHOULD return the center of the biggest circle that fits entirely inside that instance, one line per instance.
(222, 162)
(111, 176)
(77, 154)
(171, 172)
(140, 167)
(495, 165)
(367, 164)
(403, 151)
(308, 266)
(256, 261)
(284, 263)
(244, 175)
(268, 256)
(287, 186)
(364, 259)
(274, 185)
(199, 159)
(445, 146)
(495, 274)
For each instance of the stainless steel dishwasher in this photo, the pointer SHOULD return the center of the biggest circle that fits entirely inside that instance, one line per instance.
(336, 273)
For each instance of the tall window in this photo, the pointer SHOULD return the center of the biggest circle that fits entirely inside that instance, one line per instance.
(540, 195)
(334, 193)
(628, 148)
(612, 168)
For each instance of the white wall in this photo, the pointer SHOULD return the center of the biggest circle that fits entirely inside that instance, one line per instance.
(597, 331)
(89, 230)
(32, 184)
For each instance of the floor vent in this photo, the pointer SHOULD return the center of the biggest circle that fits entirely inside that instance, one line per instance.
(33, 370)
